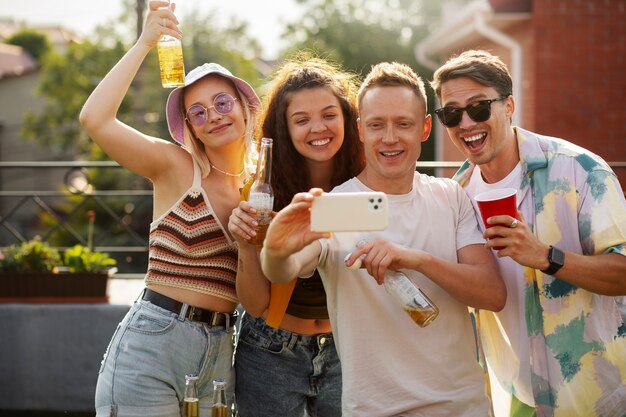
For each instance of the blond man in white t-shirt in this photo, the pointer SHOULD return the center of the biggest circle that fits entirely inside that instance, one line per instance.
(390, 365)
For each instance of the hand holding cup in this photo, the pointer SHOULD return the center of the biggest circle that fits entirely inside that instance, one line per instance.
(498, 202)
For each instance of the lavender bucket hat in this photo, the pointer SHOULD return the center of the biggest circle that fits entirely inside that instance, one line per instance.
(176, 119)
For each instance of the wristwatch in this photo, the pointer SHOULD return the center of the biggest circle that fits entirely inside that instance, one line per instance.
(556, 257)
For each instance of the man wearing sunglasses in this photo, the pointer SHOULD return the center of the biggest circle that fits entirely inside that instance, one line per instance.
(559, 345)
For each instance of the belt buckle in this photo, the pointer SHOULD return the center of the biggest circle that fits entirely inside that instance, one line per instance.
(216, 317)
(191, 313)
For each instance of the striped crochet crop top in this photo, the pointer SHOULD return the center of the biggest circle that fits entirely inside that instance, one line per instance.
(189, 248)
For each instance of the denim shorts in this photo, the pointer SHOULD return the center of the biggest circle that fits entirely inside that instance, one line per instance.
(144, 367)
(285, 374)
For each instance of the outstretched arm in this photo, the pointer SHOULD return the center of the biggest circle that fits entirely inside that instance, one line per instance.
(475, 280)
(99, 114)
(291, 249)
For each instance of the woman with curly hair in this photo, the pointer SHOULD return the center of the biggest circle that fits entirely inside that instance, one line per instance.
(294, 370)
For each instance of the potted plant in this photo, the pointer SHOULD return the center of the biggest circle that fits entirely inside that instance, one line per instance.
(33, 271)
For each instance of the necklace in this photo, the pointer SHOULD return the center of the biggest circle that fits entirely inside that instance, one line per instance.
(230, 174)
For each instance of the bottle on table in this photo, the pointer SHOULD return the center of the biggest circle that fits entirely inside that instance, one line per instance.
(190, 401)
(219, 407)
(261, 196)
(170, 51)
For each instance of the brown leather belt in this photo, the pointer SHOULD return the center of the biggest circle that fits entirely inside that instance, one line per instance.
(212, 318)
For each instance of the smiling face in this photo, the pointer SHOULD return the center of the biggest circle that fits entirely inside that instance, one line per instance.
(316, 124)
(393, 125)
(490, 144)
(219, 129)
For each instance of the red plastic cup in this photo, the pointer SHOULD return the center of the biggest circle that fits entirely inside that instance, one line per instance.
(495, 203)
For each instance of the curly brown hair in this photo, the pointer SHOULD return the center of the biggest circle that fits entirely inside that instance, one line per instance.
(289, 171)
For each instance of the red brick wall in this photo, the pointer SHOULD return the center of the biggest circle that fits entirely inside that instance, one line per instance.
(580, 74)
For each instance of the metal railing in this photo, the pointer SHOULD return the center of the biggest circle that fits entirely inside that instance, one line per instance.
(59, 206)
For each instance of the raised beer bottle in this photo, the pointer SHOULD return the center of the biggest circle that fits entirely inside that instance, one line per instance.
(219, 407)
(411, 298)
(261, 196)
(190, 401)
(170, 51)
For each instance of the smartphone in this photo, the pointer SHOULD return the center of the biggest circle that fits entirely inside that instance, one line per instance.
(349, 212)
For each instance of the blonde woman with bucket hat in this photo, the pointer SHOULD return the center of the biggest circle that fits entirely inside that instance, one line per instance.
(183, 321)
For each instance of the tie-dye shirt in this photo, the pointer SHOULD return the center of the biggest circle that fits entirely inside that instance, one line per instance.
(577, 338)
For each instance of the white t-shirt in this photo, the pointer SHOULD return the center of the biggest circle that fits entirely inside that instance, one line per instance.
(515, 379)
(390, 365)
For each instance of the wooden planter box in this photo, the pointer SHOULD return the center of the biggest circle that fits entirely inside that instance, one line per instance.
(43, 287)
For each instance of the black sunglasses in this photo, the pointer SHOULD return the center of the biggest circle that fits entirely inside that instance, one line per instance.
(479, 111)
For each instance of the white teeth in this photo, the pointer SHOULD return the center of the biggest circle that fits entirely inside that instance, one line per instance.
(391, 153)
(320, 142)
(474, 138)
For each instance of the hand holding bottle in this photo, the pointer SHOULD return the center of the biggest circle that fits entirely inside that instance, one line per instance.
(160, 21)
(414, 302)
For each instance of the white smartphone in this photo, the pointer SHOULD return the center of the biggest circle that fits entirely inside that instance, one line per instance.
(349, 212)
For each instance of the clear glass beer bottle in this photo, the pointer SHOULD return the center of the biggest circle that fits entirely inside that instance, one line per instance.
(170, 51)
(261, 196)
(190, 401)
(416, 304)
(219, 407)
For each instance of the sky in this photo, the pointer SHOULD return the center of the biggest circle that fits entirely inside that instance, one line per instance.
(83, 16)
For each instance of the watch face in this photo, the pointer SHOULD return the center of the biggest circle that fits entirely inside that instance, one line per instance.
(557, 256)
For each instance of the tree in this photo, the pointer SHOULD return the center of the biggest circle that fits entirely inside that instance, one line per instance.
(35, 43)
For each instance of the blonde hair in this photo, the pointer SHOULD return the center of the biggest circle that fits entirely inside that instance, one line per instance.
(386, 74)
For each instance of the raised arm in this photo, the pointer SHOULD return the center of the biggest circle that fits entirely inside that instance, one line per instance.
(99, 114)
(291, 249)
(474, 281)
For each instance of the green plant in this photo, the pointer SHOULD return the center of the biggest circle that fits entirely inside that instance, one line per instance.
(31, 256)
(80, 259)
(37, 256)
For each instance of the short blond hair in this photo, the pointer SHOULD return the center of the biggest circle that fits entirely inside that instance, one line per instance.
(389, 74)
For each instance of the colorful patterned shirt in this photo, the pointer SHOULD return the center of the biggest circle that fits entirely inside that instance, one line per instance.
(577, 338)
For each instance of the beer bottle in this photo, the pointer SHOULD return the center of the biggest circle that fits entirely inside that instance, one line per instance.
(190, 401)
(170, 51)
(219, 407)
(414, 302)
(261, 196)
(411, 298)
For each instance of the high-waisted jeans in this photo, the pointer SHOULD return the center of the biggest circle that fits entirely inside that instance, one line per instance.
(285, 374)
(143, 370)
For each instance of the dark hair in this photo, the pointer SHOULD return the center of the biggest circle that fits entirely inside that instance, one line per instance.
(289, 170)
(478, 65)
